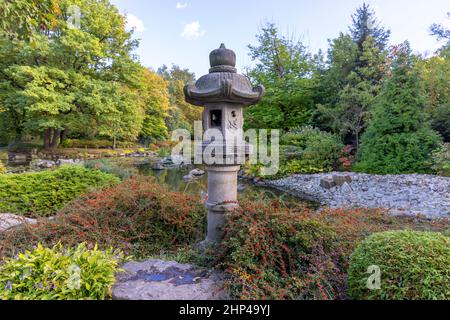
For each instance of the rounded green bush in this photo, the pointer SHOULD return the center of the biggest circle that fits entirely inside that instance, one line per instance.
(413, 265)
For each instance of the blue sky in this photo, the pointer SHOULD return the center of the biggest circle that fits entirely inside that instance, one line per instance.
(184, 32)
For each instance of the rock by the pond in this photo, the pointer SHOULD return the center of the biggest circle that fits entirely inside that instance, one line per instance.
(42, 164)
(168, 163)
(197, 173)
(163, 280)
(194, 175)
(410, 194)
(61, 162)
(158, 167)
(8, 221)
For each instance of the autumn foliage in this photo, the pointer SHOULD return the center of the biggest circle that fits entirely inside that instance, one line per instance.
(279, 252)
(138, 216)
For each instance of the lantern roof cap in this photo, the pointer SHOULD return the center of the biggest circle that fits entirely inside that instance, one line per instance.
(223, 83)
(222, 60)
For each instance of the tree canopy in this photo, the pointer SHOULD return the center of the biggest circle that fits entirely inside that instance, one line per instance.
(59, 77)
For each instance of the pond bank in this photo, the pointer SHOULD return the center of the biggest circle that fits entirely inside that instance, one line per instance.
(402, 194)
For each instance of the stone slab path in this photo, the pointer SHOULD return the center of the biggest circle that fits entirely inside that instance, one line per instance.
(163, 280)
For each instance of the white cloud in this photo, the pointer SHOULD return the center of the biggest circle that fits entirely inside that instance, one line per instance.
(181, 6)
(193, 31)
(134, 22)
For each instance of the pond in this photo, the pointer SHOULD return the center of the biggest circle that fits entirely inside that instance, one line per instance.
(173, 178)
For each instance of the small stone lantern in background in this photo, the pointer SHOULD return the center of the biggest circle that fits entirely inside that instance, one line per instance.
(223, 93)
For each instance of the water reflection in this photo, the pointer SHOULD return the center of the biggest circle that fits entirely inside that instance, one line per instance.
(174, 179)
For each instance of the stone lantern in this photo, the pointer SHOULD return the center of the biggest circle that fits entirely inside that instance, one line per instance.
(223, 93)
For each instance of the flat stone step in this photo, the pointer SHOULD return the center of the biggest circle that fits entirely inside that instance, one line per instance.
(168, 280)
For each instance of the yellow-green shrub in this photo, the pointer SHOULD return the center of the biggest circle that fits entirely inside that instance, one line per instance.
(2, 168)
(44, 193)
(414, 266)
(60, 274)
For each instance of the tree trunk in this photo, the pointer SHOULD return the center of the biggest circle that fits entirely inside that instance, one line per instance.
(114, 143)
(63, 136)
(55, 139)
(47, 135)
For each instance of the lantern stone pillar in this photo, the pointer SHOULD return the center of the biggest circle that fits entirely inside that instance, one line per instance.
(223, 93)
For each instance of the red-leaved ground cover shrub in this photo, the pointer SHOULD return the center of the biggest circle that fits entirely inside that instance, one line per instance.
(279, 252)
(272, 249)
(138, 216)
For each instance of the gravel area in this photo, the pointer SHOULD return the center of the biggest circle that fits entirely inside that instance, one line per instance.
(403, 194)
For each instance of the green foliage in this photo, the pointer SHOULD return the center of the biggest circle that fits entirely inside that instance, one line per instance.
(353, 81)
(441, 160)
(399, 138)
(284, 68)
(139, 216)
(21, 18)
(435, 74)
(440, 31)
(57, 78)
(414, 266)
(317, 151)
(96, 144)
(303, 150)
(181, 115)
(110, 167)
(2, 168)
(60, 274)
(365, 25)
(86, 143)
(44, 193)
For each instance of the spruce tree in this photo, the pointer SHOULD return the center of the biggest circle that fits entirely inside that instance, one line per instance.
(399, 138)
(365, 25)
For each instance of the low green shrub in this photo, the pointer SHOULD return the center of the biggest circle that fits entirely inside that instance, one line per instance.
(97, 144)
(414, 266)
(108, 166)
(23, 147)
(397, 153)
(305, 150)
(87, 143)
(44, 193)
(441, 160)
(60, 274)
(139, 216)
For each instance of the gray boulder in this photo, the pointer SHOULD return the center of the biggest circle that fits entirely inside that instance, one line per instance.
(197, 173)
(8, 221)
(42, 164)
(61, 162)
